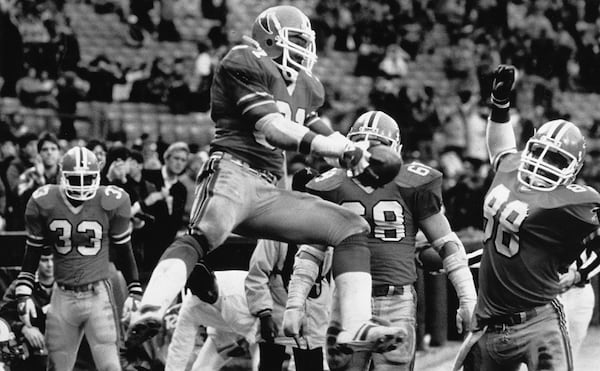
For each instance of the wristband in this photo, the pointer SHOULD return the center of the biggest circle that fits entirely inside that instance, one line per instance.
(500, 114)
(306, 142)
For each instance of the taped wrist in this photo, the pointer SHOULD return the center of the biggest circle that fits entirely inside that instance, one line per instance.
(331, 146)
(457, 269)
(500, 114)
(303, 279)
(135, 288)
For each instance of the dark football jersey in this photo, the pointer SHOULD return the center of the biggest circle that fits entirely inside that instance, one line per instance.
(529, 236)
(393, 212)
(80, 236)
(247, 85)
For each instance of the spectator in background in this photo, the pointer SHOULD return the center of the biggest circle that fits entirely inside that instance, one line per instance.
(99, 149)
(170, 217)
(8, 152)
(215, 9)
(395, 62)
(188, 179)
(116, 169)
(140, 9)
(32, 336)
(70, 90)
(178, 94)
(143, 197)
(102, 74)
(201, 79)
(26, 159)
(167, 31)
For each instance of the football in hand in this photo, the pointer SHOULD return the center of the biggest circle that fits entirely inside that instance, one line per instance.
(384, 165)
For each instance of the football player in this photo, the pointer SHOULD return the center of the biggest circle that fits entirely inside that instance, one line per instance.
(536, 223)
(80, 220)
(395, 212)
(264, 99)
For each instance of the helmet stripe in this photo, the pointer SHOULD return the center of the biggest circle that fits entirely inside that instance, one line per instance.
(376, 119)
(553, 133)
(562, 130)
(371, 119)
(78, 157)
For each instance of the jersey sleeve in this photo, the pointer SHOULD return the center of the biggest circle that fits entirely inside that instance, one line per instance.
(120, 226)
(34, 225)
(246, 80)
(428, 199)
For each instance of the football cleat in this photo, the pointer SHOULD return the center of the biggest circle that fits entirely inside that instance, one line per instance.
(80, 174)
(375, 336)
(552, 156)
(147, 324)
(286, 36)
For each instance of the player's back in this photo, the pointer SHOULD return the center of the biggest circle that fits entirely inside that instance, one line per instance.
(529, 236)
(79, 236)
(246, 86)
(393, 212)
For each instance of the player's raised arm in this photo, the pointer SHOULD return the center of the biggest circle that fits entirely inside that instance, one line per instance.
(500, 136)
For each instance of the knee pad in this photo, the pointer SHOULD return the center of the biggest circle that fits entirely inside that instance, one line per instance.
(203, 283)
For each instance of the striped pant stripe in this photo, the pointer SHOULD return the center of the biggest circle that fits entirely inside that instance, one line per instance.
(562, 322)
(203, 191)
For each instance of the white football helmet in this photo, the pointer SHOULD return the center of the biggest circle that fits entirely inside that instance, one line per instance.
(80, 174)
(552, 156)
(376, 125)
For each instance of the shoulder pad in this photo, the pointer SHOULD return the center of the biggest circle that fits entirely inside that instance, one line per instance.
(327, 181)
(47, 196)
(416, 174)
(509, 162)
(577, 194)
(111, 197)
(246, 59)
(317, 90)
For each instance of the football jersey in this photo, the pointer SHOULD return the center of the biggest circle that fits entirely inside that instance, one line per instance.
(393, 212)
(247, 85)
(79, 236)
(529, 235)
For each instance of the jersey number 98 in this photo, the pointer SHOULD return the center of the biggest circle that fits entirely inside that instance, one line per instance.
(502, 220)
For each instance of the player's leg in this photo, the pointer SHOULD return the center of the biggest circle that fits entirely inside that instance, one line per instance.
(579, 308)
(209, 358)
(400, 311)
(549, 345)
(301, 218)
(102, 328)
(182, 343)
(223, 198)
(63, 329)
(490, 360)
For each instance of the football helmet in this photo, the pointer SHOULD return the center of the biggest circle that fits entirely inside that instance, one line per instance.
(80, 174)
(285, 34)
(378, 126)
(552, 156)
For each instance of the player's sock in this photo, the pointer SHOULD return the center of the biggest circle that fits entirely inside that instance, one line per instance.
(351, 270)
(173, 269)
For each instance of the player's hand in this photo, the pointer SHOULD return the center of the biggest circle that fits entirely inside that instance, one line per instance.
(464, 315)
(356, 157)
(268, 328)
(26, 309)
(292, 322)
(505, 78)
(567, 280)
(153, 198)
(34, 337)
(132, 303)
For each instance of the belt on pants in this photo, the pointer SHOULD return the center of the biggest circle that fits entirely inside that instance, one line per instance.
(513, 318)
(264, 174)
(387, 290)
(78, 288)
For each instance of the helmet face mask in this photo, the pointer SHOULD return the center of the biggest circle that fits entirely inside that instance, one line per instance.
(552, 157)
(285, 34)
(376, 126)
(80, 174)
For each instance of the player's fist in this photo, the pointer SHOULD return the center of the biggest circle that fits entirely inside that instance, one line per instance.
(26, 309)
(132, 303)
(268, 328)
(464, 315)
(505, 78)
(356, 157)
(292, 322)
